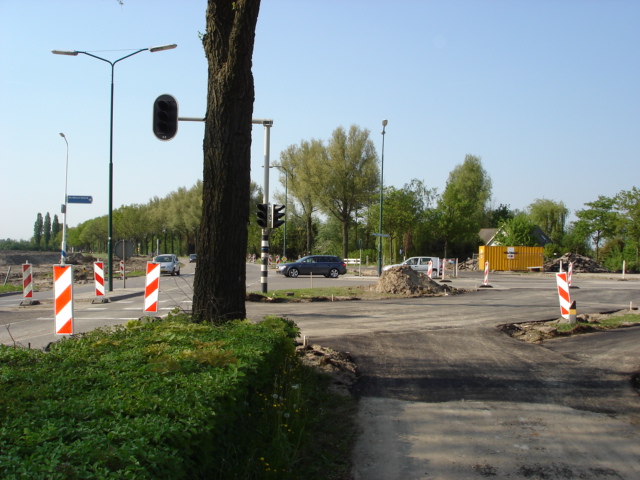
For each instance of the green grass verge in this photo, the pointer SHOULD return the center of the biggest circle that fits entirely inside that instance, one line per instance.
(606, 323)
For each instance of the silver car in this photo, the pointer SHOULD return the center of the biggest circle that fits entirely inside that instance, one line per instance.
(169, 263)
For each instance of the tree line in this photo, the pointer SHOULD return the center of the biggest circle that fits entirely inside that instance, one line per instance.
(331, 192)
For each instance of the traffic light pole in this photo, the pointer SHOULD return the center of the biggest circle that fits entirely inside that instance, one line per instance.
(264, 249)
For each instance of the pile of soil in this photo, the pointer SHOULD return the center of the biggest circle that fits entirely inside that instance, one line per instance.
(339, 366)
(581, 264)
(403, 280)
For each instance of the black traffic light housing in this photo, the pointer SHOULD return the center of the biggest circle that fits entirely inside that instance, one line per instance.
(263, 215)
(165, 117)
(277, 212)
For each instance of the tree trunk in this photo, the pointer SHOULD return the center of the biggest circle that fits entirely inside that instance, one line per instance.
(220, 279)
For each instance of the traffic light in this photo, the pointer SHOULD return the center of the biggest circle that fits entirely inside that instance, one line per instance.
(277, 212)
(263, 215)
(165, 117)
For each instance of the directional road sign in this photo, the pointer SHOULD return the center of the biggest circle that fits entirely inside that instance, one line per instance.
(79, 199)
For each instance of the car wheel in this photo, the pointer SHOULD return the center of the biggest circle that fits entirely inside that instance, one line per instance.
(178, 272)
(334, 273)
(293, 273)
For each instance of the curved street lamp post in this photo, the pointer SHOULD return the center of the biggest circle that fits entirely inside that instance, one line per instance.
(113, 64)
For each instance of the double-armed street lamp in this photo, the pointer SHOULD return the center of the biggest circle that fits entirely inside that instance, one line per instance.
(63, 247)
(113, 64)
(384, 125)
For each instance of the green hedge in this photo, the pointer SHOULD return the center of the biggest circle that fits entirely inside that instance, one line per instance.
(152, 399)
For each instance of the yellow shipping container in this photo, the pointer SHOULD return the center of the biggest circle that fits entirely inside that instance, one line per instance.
(510, 258)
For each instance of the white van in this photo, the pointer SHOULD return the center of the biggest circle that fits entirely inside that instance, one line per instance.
(421, 264)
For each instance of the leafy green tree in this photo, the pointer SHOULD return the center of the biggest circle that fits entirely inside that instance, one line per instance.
(550, 216)
(497, 216)
(346, 176)
(463, 203)
(220, 279)
(628, 205)
(517, 231)
(38, 229)
(56, 228)
(298, 164)
(599, 220)
(46, 230)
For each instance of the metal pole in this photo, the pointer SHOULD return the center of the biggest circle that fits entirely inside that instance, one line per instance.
(63, 247)
(264, 250)
(384, 124)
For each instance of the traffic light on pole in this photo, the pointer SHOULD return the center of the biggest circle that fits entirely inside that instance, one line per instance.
(263, 215)
(165, 117)
(277, 212)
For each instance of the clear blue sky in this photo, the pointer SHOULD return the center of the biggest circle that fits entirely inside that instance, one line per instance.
(546, 93)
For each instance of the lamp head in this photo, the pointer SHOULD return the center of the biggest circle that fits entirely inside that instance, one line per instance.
(160, 48)
(384, 123)
(73, 53)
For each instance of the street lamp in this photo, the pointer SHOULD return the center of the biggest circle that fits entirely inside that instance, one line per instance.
(384, 124)
(63, 247)
(286, 201)
(110, 216)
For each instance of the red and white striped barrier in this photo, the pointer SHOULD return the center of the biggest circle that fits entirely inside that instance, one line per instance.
(122, 268)
(27, 281)
(63, 294)
(569, 273)
(429, 269)
(98, 277)
(152, 287)
(563, 294)
(486, 273)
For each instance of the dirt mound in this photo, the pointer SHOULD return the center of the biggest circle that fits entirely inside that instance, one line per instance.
(406, 281)
(581, 264)
(18, 257)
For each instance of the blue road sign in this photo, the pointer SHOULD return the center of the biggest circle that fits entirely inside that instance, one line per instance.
(79, 199)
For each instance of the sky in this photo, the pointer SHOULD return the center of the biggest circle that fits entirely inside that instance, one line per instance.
(545, 92)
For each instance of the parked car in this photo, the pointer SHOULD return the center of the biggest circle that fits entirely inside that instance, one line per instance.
(169, 263)
(420, 264)
(192, 258)
(327, 265)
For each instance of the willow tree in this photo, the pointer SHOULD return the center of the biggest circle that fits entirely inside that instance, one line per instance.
(220, 279)
(346, 176)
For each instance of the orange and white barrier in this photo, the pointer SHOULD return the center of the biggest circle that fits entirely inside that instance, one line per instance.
(152, 287)
(569, 273)
(63, 294)
(563, 294)
(27, 281)
(98, 276)
(122, 268)
(429, 269)
(486, 273)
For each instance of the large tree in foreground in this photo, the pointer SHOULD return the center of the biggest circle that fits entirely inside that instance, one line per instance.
(219, 284)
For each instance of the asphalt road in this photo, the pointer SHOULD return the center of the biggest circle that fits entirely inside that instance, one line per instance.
(444, 394)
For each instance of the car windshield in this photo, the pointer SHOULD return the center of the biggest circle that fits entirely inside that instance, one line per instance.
(163, 258)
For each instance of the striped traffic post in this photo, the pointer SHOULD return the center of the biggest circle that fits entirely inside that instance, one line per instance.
(98, 277)
(27, 281)
(152, 287)
(563, 294)
(486, 273)
(429, 269)
(63, 294)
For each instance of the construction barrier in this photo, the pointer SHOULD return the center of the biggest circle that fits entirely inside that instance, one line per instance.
(122, 268)
(152, 287)
(486, 273)
(27, 281)
(429, 269)
(98, 276)
(563, 294)
(569, 274)
(63, 294)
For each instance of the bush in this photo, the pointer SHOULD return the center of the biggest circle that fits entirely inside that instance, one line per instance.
(152, 399)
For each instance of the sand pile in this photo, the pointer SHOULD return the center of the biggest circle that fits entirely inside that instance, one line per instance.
(404, 280)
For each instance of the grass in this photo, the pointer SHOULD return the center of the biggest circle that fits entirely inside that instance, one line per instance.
(605, 323)
(9, 288)
(325, 293)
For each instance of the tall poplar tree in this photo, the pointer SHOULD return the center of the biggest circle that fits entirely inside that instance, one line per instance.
(220, 279)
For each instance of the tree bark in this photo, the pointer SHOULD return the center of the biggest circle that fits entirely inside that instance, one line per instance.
(220, 279)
